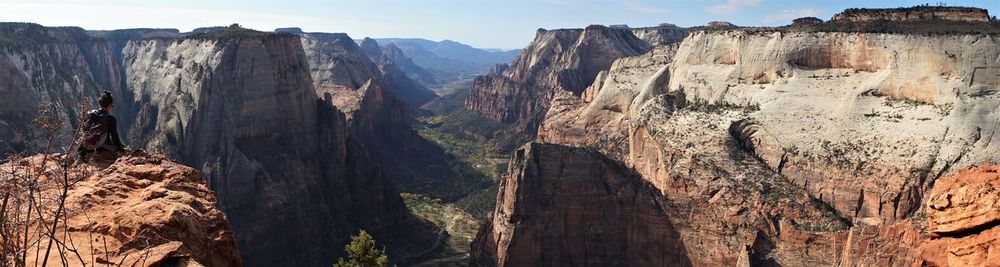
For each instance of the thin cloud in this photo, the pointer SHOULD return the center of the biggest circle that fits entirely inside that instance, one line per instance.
(640, 8)
(788, 15)
(731, 6)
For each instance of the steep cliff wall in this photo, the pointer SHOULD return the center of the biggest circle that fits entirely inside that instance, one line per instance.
(609, 218)
(557, 60)
(918, 13)
(377, 117)
(46, 67)
(836, 109)
(799, 148)
(245, 111)
(242, 107)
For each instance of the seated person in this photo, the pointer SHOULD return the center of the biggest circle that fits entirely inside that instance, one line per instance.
(99, 135)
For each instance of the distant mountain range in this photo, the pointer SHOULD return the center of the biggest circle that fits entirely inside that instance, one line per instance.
(450, 61)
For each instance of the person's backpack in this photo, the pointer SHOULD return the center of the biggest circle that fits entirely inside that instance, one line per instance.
(94, 131)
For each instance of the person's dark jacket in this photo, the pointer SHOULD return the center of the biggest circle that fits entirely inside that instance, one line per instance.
(112, 128)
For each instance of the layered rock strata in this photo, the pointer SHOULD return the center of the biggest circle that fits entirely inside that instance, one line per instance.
(242, 107)
(792, 148)
(557, 60)
(917, 13)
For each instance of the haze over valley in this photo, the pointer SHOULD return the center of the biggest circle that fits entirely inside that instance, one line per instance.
(821, 135)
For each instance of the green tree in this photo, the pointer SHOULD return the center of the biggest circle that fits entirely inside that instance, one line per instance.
(361, 252)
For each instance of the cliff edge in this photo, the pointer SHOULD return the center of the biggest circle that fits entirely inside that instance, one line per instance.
(141, 210)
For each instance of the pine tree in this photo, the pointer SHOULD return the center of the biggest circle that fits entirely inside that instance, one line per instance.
(361, 252)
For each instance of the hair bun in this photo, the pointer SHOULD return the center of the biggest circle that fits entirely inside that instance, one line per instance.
(106, 93)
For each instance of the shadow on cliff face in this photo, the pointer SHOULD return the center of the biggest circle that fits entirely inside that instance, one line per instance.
(564, 206)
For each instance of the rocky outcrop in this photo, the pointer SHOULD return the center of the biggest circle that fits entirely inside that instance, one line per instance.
(610, 217)
(965, 202)
(557, 60)
(600, 117)
(141, 210)
(911, 14)
(962, 217)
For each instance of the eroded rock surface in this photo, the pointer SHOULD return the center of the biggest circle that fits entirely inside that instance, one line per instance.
(142, 210)
(801, 148)
(244, 108)
(563, 206)
(918, 13)
(557, 60)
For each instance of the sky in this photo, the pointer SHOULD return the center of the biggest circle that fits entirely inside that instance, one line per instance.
(504, 24)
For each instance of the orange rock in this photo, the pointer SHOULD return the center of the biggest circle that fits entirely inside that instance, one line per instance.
(966, 201)
(142, 210)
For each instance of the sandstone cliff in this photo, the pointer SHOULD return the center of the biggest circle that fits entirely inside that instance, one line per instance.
(796, 148)
(141, 210)
(261, 138)
(33, 60)
(562, 206)
(242, 107)
(836, 109)
(917, 13)
(557, 60)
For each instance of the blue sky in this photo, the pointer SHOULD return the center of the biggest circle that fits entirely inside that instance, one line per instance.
(488, 24)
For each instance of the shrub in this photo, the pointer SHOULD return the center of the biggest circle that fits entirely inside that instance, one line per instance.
(361, 252)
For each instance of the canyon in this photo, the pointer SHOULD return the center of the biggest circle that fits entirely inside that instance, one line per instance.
(782, 146)
(248, 110)
(864, 140)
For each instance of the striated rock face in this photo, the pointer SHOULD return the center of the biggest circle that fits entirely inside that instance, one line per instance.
(609, 218)
(661, 35)
(557, 60)
(964, 220)
(965, 202)
(836, 109)
(816, 149)
(247, 113)
(917, 13)
(377, 118)
(338, 67)
(244, 108)
(600, 116)
(142, 210)
(33, 64)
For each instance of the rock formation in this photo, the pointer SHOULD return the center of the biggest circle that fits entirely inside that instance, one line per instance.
(911, 14)
(391, 54)
(610, 217)
(791, 148)
(557, 60)
(661, 35)
(376, 118)
(263, 137)
(242, 107)
(142, 210)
